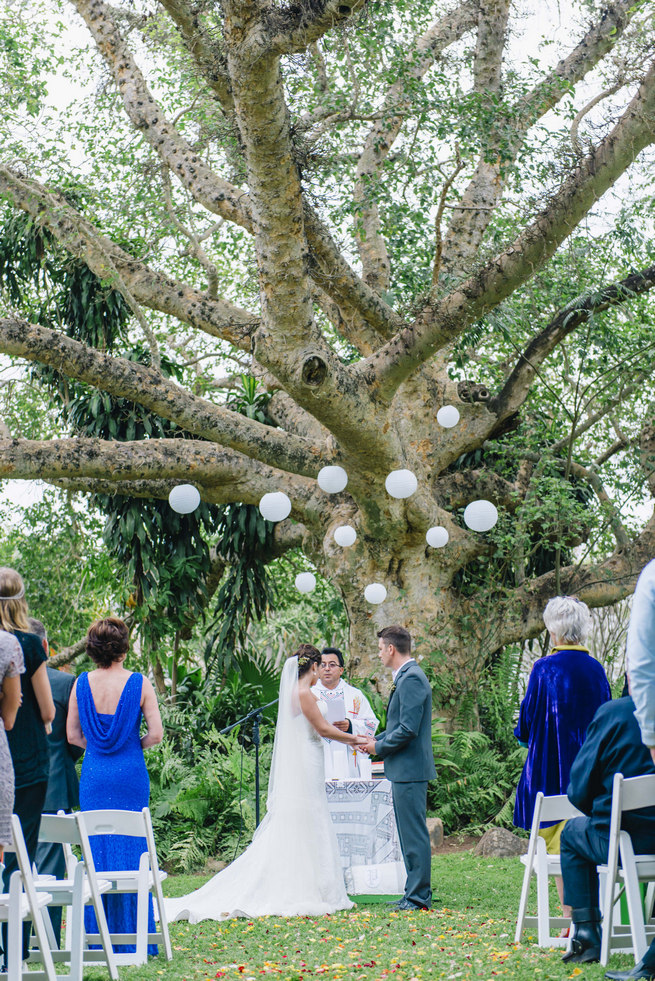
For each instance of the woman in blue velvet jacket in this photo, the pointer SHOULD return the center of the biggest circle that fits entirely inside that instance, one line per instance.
(564, 691)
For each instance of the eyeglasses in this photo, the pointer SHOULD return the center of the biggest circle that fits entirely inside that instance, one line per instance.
(330, 664)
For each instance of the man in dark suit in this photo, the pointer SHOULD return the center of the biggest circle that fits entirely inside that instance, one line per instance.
(406, 748)
(63, 785)
(613, 745)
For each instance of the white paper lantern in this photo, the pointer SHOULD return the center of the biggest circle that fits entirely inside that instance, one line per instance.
(401, 483)
(305, 582)
(275, 506)
(437, 536)
(332, 479)
(480, 515)
(184, 498)
(375, 593)
(448, 416)
(345, 535)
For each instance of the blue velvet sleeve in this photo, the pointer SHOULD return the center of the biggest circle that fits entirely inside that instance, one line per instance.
(528, 706)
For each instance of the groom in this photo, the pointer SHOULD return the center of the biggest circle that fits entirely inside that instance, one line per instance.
(406, 748)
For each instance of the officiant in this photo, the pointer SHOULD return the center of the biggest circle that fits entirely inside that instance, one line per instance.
(349, 710)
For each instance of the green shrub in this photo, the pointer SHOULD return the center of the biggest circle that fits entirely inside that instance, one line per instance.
(476, 783)
(206, 809)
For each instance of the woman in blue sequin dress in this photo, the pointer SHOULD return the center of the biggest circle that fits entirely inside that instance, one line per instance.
(104, 716)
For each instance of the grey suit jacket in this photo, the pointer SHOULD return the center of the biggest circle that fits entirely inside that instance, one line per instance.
(63, 784)
(406, 744)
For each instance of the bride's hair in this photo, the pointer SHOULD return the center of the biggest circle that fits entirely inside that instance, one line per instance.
(307, 655)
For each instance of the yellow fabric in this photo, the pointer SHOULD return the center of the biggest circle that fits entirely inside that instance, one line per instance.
(552, 837)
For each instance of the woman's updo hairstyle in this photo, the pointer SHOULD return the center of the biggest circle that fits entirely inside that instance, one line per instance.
(13, 605)
(307, 655)
(107, 641)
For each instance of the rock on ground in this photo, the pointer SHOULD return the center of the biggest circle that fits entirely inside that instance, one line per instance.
(500, 843)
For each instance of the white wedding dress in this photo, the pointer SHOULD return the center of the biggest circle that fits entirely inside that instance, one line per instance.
(292, 867)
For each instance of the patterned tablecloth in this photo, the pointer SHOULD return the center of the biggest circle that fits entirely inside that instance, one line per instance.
(362, 812)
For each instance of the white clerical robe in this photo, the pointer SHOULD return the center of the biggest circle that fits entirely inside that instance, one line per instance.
(343, 761)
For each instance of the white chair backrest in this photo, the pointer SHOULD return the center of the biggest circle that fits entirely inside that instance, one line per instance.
(556, 808)
(61, 828)
(637, 791)
(19, 847)
(24, 866)
(129, 823)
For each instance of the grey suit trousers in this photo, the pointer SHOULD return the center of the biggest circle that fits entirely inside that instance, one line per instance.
(409, 805)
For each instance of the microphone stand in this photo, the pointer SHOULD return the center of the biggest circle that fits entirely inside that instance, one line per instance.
(256, 716)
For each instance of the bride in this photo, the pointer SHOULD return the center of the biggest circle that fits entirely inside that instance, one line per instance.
(292, 867)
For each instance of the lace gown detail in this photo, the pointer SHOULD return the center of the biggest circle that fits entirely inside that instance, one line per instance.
(292, 867)
(114, 775)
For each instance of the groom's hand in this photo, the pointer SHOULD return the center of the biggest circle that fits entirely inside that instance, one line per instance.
(368, 746)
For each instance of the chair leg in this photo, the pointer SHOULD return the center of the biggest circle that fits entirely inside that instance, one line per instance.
(608, 918)
(143, 895)
(14, 953)
(76, 914)
(523, 903)
(543, 901)
(636, 917)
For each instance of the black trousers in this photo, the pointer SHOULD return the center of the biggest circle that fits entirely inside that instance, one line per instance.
(583, 847)
(28, 804)
(410, 805)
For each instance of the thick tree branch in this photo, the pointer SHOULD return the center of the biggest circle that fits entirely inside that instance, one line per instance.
(441, 322)
(578, 312)
(598, 585)
(210, 190)
(472, 216)
(334, 275)
(455, 490)
(379, 141)
(206, 53)
(297, 25)
(215, 316)
(284, 411)
(221, 474)
(288, 343)
(138, 383)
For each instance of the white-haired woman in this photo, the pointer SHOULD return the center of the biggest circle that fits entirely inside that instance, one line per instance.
(565, 689)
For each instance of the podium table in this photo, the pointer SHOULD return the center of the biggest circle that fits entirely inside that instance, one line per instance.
(363, 818)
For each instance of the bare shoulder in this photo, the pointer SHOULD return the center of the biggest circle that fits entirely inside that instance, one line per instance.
(147, 689)
(307, 701)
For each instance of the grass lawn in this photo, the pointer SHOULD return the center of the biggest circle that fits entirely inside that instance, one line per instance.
(468, 934)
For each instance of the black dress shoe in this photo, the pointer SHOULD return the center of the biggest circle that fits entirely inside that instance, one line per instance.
(640, 970)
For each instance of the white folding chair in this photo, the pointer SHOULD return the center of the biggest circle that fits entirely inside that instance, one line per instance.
(628, 794)
(80, 888)
(144, 881)
(542, 865)
(22, 903)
